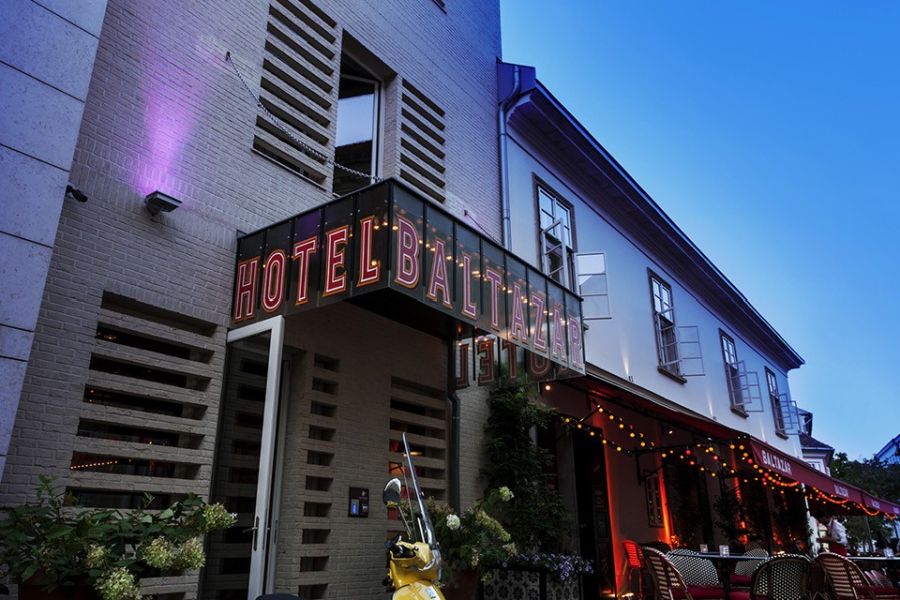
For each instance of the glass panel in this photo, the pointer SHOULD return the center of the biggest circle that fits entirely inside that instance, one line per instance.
(227, 570)
(336, 253)
(596, 307)
(517, 297)
(556, 304)
(563, 229)
(591, 264)
(546, 203)
(538, 313)
(305, 262)
(493, 289)
(468, 273)
(357, 117)
(372, 239)
(407, 244)
(773, 384)
(439, 280)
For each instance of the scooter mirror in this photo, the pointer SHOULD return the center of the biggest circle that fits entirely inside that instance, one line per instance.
(391, 494)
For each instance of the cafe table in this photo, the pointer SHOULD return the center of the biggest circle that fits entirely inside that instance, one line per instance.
(891, 561)
(724, 564)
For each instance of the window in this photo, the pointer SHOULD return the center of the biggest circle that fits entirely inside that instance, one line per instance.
(732, 372)
(775, 399)
(654, 500)
(743, 385)
(557, 246)
(356, 142)
(664, 321)
(592, 285)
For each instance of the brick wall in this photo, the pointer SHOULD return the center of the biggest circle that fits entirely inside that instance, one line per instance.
(165, 112)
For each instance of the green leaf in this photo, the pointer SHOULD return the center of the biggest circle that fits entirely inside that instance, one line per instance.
(147, 519)
(167, 514)
(58, 531)
(29, 571)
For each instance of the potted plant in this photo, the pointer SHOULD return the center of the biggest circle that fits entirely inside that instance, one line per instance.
(472, 542)
(54, 549)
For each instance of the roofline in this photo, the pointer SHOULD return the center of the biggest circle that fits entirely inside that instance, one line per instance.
(663, 218)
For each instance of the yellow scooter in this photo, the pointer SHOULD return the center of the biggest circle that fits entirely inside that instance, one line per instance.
(414, 565)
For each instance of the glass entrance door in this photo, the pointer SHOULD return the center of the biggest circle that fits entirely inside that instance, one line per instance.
(244, 466)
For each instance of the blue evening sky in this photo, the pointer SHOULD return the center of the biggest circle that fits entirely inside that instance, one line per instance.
(770, 132)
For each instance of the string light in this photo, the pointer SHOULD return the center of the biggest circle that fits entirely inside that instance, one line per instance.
(633, 432)
(92, 465)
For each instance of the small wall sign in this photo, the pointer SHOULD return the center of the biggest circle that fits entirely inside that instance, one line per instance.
(359, 503)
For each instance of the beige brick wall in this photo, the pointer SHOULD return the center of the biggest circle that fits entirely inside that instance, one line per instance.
(164, 111)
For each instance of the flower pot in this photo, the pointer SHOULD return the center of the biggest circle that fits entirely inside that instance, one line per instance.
(463, 586)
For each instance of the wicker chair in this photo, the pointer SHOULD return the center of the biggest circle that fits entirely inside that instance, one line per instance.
(668, 583)
(696, 570)
(847, 581)
(785, 577)
(743, 571)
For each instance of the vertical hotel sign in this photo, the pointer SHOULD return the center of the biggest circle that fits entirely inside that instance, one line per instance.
(386, 236)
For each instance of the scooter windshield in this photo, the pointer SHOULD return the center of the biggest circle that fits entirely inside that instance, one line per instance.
(421, 522)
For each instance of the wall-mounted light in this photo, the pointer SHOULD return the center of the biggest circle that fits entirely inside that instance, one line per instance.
(158, 202)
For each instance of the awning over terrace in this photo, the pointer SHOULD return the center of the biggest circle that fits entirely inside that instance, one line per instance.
(775, 466)
(827, 489)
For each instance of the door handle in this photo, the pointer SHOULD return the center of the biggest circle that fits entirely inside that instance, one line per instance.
(255, 530)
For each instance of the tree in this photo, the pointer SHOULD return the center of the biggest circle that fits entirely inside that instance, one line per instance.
(876, 477)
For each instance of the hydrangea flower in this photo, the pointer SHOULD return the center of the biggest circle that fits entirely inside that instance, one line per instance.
(190, 555)
(96, 556)
(453, 522)
(506, 494)
(118, 584)
(159, 554)
(215, 516)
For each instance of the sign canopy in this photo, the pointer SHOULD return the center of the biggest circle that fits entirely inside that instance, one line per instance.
(385, 246)
(829, 489)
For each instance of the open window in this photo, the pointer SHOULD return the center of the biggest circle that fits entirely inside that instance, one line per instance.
(743, 385)
(357, 138)
(677, 346)
(784, 410)
(592, 285)
(557, 244)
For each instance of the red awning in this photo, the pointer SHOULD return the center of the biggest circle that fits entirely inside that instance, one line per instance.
(889, 508)
(794, 468)
(660, 408)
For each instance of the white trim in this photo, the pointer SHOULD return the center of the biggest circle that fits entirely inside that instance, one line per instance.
(275, 326)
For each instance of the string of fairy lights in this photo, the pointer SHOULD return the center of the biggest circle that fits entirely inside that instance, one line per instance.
(626, 438)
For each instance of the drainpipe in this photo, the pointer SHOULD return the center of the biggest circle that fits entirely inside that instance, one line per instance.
(509, 104)
(454, 401)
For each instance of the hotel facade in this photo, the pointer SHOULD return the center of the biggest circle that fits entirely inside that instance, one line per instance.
(278, 234)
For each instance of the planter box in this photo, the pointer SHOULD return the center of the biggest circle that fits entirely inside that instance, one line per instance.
(509, 584)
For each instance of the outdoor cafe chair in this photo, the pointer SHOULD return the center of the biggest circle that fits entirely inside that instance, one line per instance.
(743, 571)
(784, 577)
(847, 581)
(696, 570)
(669, 584)
(636, 563)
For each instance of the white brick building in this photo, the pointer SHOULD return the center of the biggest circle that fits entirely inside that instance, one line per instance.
(123, 391)
(176, 352)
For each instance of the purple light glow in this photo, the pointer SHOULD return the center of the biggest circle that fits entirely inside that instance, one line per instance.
(172, 99)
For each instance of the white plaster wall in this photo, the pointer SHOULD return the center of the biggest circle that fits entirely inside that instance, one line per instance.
(625, 344)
